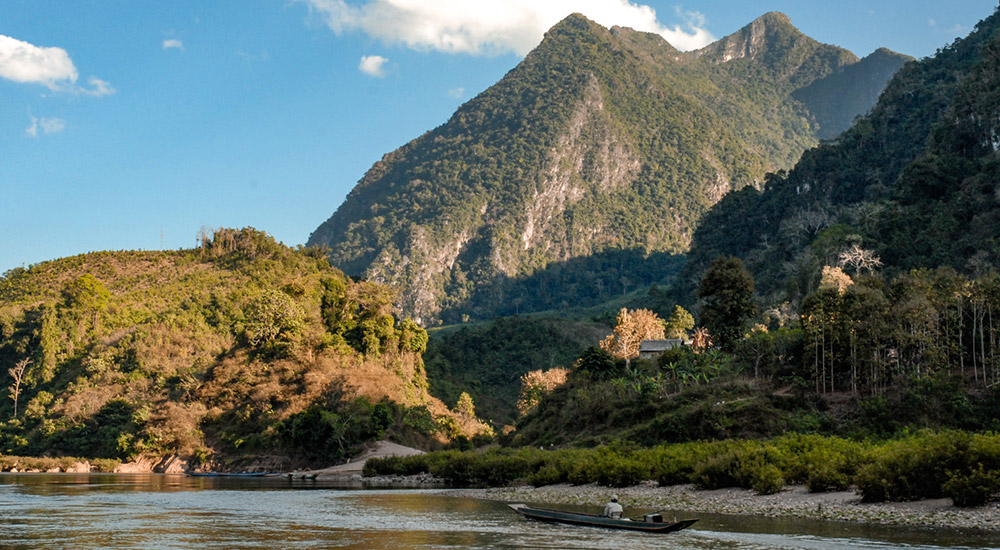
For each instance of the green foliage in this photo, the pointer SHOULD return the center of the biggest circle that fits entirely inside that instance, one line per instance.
(206, 351)
(443, 217)
(86, 294)
(115, 431)
(913, 182)
(966, 472)
(679, 323)
(488, 360)
(599, 364)
(915, 333)
(273, 322)
(972, 488)
(927, 464)
(728, 302)
(412, 337)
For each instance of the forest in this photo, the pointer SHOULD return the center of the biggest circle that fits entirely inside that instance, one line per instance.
(844, 315)
(237, 349)
(588, 164)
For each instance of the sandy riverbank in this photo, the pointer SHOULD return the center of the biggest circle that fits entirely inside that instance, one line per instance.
(794, 501)
(352, 469)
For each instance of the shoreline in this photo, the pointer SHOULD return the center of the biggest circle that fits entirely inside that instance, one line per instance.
(792, 502)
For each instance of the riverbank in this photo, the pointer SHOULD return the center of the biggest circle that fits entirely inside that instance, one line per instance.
(795, 501)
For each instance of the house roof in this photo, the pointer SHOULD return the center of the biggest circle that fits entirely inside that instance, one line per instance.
(659, 345)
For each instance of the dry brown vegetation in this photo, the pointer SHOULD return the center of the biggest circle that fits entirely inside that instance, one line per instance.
(150, 352)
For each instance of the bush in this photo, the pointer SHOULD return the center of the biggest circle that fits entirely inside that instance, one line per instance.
(919, 466)
(822, 463)
(621, 472)
(718, 472)
(972, 489)
(767, 480)
(550, 474)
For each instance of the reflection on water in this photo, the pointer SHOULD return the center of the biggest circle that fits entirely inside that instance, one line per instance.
(175, 512)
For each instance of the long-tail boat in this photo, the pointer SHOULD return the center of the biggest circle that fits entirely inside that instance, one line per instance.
(649, 523)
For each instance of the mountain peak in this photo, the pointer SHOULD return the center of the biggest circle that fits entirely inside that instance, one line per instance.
(772, 19)
(574, 22)
(773, 30)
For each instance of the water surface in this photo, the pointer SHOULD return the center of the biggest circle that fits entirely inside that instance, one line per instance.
(101, 511)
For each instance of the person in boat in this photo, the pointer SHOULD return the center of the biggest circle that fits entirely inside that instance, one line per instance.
(613, 509)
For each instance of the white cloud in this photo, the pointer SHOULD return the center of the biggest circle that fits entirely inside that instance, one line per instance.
(51, 67)
(456, 93)
(373, 65)
(494, 26)
(27, 63)
(46, 125)
(173, 43)
(98, 88)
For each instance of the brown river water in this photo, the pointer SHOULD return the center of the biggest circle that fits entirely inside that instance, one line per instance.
(103, 511)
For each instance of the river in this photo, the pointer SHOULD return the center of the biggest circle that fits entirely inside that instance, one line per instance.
(160, 512)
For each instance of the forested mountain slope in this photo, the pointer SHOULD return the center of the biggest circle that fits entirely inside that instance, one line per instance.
(595, 157)
(240, 347)
(913, 184)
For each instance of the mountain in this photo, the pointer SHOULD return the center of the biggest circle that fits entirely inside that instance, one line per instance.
(588, 165)
(240, 348)
(913, 183)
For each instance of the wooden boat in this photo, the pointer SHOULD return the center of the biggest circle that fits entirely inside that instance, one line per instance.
(650, 523)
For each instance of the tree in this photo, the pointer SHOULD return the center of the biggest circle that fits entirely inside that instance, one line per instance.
(726, 291)
(465, 406)
(834, 277)
(631, 329)
(272, 318)
(537, 384)
(679, 323)
(859, 258)
(596, 361)
(18, 374)
(87, 296)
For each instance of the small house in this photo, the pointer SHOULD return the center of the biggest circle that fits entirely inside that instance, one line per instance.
(651, 349)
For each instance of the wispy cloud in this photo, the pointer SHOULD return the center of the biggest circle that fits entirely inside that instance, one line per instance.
(51, 67)
(46, 126)
(456, 93)
(489, 27)
(373, 65)
(173, 44)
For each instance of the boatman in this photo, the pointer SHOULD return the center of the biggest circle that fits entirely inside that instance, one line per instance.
(613, 509)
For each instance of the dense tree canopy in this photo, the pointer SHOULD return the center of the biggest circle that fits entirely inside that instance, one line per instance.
(727, 295)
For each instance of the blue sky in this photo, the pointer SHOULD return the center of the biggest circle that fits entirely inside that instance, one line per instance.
(132, 124)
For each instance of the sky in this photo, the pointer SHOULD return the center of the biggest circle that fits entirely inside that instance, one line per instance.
(133, 125)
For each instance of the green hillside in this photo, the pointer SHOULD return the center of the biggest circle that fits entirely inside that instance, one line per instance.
(913, 183)
(240, 348)
(600, 143)
(867, 308)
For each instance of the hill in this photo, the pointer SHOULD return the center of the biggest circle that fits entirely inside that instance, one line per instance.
(589, 164)
(912, 183)
(240, 348)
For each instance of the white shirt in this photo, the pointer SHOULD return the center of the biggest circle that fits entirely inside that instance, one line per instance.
(612, 507)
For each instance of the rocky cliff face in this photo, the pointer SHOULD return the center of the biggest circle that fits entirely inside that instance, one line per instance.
(600, 140)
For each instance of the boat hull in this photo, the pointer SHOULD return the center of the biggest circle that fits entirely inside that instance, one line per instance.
(591, 520)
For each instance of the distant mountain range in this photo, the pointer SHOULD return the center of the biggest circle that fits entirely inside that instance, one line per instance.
(584, 170)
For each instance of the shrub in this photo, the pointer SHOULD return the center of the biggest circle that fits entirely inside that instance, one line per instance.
(550, 474)
(918, 466)
(621, 472)
(767, 480)
(974, 488)
(675, 464)
(718, 472)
